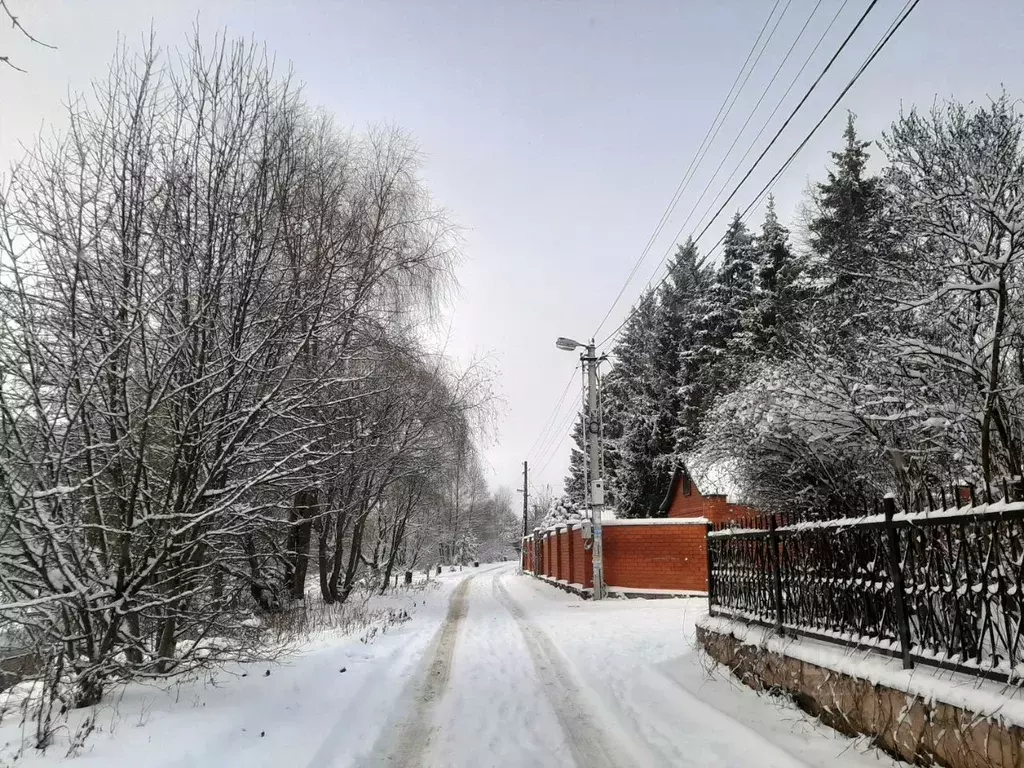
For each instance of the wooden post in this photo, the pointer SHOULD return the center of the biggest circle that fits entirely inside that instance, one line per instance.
(896, 574)
(773, 553)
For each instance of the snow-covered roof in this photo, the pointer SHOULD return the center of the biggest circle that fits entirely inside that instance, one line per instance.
(715, 478)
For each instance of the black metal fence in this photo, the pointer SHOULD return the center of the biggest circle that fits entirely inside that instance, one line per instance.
(939, 587)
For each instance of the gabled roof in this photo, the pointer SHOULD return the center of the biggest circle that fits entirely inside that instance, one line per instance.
(677, 475)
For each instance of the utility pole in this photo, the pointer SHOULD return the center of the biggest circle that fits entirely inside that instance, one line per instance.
(526, 496)
(593, 434)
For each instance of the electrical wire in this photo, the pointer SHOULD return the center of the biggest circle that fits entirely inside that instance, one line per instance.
(564, 431)
(893, 28)
(792, 114)
(750, 117)
(767, 122)
(871, 57)
(554, 439)
(712, 133)
(554, 413)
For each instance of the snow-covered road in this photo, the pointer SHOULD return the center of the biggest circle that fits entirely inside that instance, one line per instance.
(522, 674)
(494, 669)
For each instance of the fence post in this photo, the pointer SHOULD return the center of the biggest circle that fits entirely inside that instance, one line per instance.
(773, 550)
(899, 595)
(708, 528)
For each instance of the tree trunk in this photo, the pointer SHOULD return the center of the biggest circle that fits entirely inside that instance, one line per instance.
(353, 558)
(167, 643)
(302, 513)
(257, 586)
(397, 534)
(323, 562)
(339, 543)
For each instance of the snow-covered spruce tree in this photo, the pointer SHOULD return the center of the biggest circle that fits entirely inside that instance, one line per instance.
(565, 510)
(674, 338)
(773, 317)
(645, 418)
(627, 398)
(714, 363)
(852, 239)
(575, 480)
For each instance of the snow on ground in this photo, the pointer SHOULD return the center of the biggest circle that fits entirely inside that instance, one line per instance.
(641, 659)
(306, 712)
(495, 669)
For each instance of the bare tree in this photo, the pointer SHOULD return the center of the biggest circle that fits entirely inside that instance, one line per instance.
(7, 14)
(206, 296)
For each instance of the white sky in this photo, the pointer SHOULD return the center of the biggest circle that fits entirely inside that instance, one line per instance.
(555, 132)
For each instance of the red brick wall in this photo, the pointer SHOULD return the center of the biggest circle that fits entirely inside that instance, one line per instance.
(582, 561)
(656, 557)
(563, 554)
(714, 507)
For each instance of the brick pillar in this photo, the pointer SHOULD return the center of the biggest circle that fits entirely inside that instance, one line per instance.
(568, 543)
(558, 553)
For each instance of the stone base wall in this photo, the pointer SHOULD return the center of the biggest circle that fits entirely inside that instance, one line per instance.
(918, 731)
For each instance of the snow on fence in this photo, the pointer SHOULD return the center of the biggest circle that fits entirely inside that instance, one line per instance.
(933, 586)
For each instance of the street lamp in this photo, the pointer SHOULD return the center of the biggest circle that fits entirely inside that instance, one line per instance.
(567, 344)
(593, 439)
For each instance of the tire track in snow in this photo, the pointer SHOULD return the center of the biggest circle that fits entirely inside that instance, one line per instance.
(411, 743)
(591, 743)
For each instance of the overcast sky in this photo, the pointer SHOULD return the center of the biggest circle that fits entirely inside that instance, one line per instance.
(555, 132)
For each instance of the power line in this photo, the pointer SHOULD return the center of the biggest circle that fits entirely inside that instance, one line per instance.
(697, 158)
(550, 444)
(554, 413)
(778, 104)
(750, 117)
(753, 142)
(565, 430)
(878, 47)
(871, 57)
(569, 422)
(792, 114)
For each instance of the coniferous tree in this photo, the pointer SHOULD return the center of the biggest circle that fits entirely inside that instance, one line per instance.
(713, 364)
(850, 239)
(575, 481)
(776, 305)
(629, 401)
